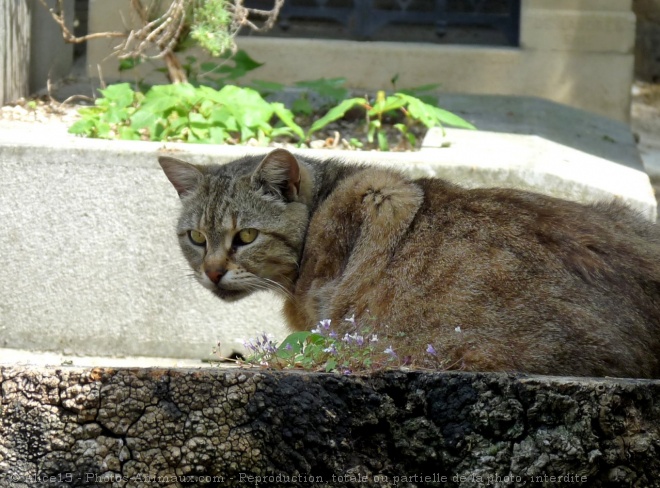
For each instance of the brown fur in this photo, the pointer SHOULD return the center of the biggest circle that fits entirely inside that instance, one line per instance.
(494, 279)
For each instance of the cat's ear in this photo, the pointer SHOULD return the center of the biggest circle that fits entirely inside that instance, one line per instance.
(184, 176)
(279, 174)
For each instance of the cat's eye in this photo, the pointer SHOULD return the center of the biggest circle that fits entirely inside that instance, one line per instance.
(245, 236)
(197, 238)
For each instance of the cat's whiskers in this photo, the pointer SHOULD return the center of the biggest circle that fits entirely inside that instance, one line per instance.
(273, 285)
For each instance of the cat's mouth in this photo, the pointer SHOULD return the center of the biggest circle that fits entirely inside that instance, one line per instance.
(230, 295)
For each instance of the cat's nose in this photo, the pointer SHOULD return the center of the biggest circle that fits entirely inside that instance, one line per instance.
(215, 274)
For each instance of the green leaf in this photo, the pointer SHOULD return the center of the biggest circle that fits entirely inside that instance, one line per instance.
(383, 106)
(223, 116)
(332, 88)
(281, 131)
(244, 62)
(161, 105)
(143, 118)
(302, 106)
(120, 95)
(330, 365)
(209, 67)
(217, 135)
(116, 115)
(336, 113)
(173, 128)
(432, 116)
(296, 340)
(355, 142)
(198, 121)
(448, 118)
(266, 87)
(91, 112)
(82, 127)
(286, 116)
(128, 134)
(129, 63)
(374, 126)
(412, 140)
(248, 107)
(383, 144)
(103, 130)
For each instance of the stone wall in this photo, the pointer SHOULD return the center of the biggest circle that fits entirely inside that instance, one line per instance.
(218, 427)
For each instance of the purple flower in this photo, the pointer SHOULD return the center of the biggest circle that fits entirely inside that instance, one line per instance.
(325, 323)
(331, 349)
(431, 350)
(374, 338)
(288, 347)
(359, 340)
(351, 320)
(390, 351)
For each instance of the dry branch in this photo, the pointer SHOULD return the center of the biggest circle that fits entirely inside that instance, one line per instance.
(158, 35)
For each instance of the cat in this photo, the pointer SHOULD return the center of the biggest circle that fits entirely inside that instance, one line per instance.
(488, 279)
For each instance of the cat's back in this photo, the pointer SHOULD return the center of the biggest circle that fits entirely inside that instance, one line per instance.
(532, 283)
(590, 239)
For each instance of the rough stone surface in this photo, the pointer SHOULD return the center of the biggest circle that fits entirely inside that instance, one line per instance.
(231, 427)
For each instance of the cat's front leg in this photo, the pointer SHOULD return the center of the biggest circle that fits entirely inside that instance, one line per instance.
(350, 240)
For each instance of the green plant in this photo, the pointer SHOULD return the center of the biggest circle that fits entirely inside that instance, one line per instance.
(234, 115)
(412, 108)
(327, 349)
(185, 113)
(218, 74)
(211, 23)
(331, 91)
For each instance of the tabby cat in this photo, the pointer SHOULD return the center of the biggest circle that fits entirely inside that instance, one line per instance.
(494, 279)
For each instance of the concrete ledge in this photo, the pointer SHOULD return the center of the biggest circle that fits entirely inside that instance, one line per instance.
(214, 427)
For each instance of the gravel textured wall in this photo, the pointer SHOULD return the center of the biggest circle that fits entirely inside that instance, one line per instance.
(64, 427)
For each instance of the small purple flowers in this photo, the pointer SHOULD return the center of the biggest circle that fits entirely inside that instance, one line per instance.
(261, 345)
(322, 327)
(346, 347)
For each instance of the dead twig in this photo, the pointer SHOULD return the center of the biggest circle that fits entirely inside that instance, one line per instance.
(69, 36)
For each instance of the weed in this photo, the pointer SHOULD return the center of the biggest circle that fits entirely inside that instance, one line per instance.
(327, 349)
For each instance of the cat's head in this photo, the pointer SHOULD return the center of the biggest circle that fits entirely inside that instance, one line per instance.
(242, 225)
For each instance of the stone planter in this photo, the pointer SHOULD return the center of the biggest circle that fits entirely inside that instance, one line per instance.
(90, 261)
